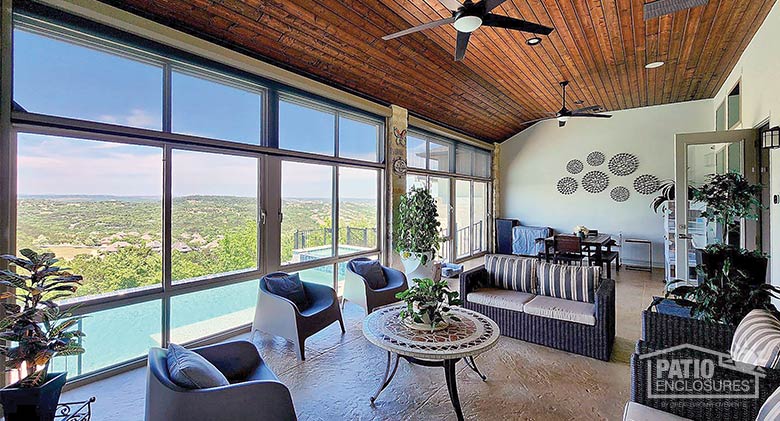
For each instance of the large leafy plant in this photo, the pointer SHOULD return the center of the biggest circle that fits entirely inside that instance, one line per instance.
(34, 328)
(428, 301)
(727, 296)
(417, 230)
(729, 198)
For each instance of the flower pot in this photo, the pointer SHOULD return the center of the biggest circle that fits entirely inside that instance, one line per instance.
(413, 267)
(426, 326)
(33, 403)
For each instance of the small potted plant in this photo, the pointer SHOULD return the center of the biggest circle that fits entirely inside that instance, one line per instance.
(581, 231)
(35, 330)
(417, 233)
(428, 305)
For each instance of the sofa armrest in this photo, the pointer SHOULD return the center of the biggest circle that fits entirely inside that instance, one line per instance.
(665, 330)
(471, 279)
(605, 300)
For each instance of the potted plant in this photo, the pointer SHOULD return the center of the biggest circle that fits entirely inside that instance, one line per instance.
(428, 304)
(666, 193)
(581, 231)
(35, 330)
(417, 235)
(729, 198)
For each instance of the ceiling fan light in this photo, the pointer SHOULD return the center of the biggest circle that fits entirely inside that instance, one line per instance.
(563, 118)
(654, 65)
(468, 23)
(533, 41)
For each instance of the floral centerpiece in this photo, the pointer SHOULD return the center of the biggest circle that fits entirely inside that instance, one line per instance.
(428, 304)
(581, 231)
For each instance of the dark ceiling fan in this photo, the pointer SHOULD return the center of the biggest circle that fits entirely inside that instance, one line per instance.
(565, 114)
(469, 16)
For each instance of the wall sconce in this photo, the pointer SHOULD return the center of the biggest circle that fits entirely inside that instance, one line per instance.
(770, 138)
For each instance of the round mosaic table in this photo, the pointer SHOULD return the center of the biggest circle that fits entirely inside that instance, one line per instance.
(471, 336)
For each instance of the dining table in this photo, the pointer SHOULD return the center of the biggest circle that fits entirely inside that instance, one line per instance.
(596, 243)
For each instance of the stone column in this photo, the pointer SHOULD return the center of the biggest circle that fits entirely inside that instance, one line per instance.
(496, 192)
(397, 125)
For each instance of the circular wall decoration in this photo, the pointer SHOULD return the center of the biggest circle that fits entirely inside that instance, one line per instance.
(595, 158)
(574, 166)
(623, 164)
(567, 185)
(619, 194)
(595, 182)
(647, 184)
(399, 166)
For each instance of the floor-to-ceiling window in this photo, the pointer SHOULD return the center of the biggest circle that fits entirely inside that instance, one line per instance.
(163, 179)
(458, 178)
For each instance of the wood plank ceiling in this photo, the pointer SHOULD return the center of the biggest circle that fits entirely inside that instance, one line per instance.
(601, 46)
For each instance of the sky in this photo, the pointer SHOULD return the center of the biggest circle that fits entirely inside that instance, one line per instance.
(62, 79)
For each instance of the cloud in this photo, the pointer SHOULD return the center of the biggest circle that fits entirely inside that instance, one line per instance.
(136, 118)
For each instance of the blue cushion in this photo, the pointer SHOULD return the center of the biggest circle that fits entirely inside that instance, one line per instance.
(288, 286)
(190, 370)
(371, 271)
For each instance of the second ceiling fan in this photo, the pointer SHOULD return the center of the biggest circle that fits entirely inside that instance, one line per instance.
(565, 114)
(469, 16)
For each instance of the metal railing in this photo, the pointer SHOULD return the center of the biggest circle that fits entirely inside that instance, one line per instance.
(348, 236)
(464, 237)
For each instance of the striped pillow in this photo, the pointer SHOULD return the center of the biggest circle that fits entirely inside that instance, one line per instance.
(757, 340)
(576, 283)
(511, 272)
(770, 410)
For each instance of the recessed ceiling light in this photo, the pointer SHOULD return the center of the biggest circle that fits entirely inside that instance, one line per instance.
(654, 65)
(533, 41)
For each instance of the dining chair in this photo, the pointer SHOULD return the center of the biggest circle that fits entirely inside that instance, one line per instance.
(567, 248)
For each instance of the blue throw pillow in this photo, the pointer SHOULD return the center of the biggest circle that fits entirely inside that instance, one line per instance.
(371, 271)
(288, 286)
(190, 370)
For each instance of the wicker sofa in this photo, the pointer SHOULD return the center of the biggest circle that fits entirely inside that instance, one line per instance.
(591, 334)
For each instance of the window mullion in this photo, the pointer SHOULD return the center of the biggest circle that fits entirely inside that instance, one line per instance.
(335, 220)
(167, 98)
(167, 241)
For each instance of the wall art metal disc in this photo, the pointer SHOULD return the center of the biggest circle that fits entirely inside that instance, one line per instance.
(623, 164)
(595, 158)
(567, 185)
(620, 194)
(647, 184)
(595, 182)
(574, 166)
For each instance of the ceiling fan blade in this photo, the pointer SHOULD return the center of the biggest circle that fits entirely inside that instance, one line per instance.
(498, 21)
(492, 4)
(418, 28)
(561, 123)
(463, 43)
(453, 5)
(590, 109)
(591, 115)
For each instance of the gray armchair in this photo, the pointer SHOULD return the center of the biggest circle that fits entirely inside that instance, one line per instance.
(254, 392)
(357, 290)
(281, 317)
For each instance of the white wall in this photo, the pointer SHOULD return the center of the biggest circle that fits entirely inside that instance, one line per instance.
(759, 71)
(532, 162)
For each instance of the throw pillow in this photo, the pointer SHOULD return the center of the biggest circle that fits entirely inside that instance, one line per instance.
(576, 283)
(288, 286)
(770, 410)
(757, 340)
(190, 370)
(371, 271)
(511, 272)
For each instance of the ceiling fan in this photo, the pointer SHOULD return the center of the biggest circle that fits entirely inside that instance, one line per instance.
(565, 114)
(469, 16)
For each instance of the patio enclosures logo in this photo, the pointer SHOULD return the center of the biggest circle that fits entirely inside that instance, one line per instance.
(693, 372)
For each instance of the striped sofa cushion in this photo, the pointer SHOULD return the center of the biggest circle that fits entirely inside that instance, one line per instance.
(512, 272)
(577, 283)
(770, 410)
(757, 340)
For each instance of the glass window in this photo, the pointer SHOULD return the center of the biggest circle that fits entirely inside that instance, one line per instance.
(734, 105)
(214, 214)
(114, 336)
(463, 217)
(479, 224)
(67, 80)
(96, 205)
(202, 107)
(440, 190)
(464, 160)
(322, 275)
(415, 152)
(307, 209)
(482, 164)
(205, 313)
(720, 117)
(358, 208)
(416, 180)
(439, 156)
(306, 129)
(359, 139)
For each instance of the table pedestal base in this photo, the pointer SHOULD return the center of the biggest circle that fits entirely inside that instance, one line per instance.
(449, 376)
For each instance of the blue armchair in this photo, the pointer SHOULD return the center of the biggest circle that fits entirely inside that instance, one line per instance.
(254, 392)
(281, 317)
(358, 291)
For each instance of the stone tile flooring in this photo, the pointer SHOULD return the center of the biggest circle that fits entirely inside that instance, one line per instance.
(525, 381)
